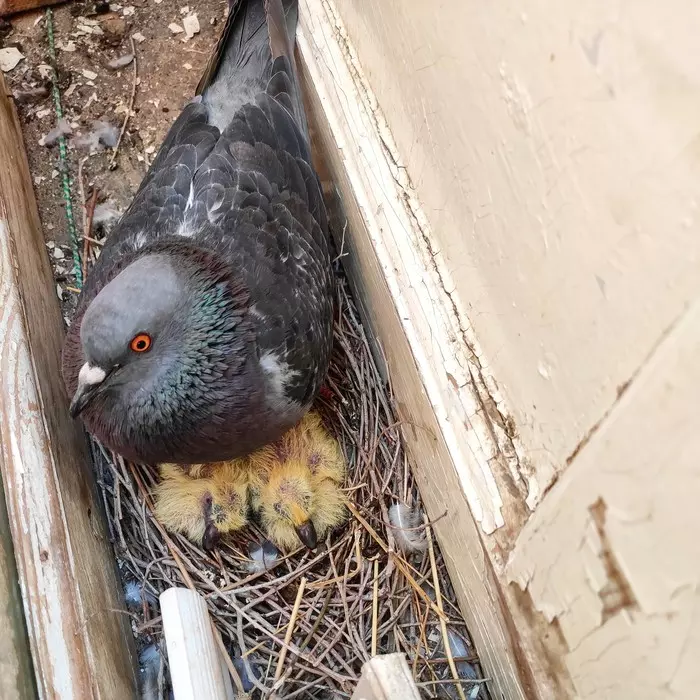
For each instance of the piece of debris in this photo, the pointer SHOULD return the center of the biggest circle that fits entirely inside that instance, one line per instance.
(191, 25)
(58, 253)
(67, 46)
(61, 129)
(31, 95)
(9, 58)
(42, 113)
(117, 63)
(105, 214)
(407, 526)
(185, 10)
(114, 25)
(175, 28)
(128, 11)
(70, 90)
(138, 37)
(86, 26)
(45, 71)
(88, 74)
(187, 66)
(103, 135)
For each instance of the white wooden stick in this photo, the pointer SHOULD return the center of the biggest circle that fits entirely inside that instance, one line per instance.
(194, 659)
(386, 677)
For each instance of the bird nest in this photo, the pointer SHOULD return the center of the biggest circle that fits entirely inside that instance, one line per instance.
(302, 625)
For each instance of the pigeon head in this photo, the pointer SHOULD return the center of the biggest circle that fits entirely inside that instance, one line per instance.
(124, 331)
(158, 350)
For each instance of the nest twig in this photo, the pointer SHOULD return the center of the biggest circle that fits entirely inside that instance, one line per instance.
(360, 595)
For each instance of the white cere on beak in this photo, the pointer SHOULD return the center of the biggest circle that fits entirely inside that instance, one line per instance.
(91, 375)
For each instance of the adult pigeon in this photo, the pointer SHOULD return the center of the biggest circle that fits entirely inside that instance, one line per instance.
(204, 329)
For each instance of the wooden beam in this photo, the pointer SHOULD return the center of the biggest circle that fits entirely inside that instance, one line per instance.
(13, 7)
(386, 677)
(16, 671)
(65, 562)
(381, 262)
(196, 670)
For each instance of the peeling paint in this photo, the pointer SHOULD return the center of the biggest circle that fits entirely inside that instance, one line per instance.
(616, 594)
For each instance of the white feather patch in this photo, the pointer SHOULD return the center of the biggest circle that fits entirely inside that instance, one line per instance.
(407, 528)
(278, 375)
(262, 557)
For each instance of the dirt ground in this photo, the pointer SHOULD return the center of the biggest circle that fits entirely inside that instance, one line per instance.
(95, 99)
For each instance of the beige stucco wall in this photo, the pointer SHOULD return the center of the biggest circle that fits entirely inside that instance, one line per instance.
(555, 151)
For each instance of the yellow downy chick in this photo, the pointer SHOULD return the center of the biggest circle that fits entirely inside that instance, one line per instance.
(204, 502)
(297, 485)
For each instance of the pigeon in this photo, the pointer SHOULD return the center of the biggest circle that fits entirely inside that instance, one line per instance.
(204, 330)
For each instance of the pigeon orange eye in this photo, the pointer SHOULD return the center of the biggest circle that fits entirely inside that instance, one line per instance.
(141, 342)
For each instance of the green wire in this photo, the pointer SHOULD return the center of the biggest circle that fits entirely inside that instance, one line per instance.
(62, 157)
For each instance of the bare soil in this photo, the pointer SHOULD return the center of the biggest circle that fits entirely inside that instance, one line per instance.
(88, 35)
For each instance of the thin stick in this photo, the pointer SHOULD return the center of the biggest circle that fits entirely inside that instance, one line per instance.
(88, 229)
(438, 600)
(227, 659)
(130, 108)
(375, 607)
(290, 629)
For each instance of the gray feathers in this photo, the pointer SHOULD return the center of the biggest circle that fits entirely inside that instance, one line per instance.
(232, 204)
(408, 528)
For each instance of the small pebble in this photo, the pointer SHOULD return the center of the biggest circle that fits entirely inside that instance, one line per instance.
(175, 28)
(191, 25)
(122, 61)
(58, 253)
(88, 74)
(138, 37)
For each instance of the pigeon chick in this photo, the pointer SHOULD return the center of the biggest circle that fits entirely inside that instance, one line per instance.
(203, 502)
(296, 489)
(204, 329)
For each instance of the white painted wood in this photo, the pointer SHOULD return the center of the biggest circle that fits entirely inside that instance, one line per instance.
(386, 677)
(193, 656)
(613, 553)
(554, 153)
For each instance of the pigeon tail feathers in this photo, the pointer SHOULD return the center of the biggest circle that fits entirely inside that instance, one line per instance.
(254, 54)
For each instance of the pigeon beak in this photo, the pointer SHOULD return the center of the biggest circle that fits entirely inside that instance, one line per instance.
(211, 537)
(89, 380)
(307, 534)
